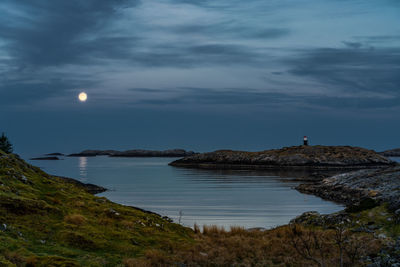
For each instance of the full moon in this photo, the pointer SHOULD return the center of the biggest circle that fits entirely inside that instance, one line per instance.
(82, 97)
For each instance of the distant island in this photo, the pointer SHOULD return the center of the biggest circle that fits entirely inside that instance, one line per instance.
(134, 153)
(55, 154)
(391, 153)
(314, 157)
(46, 158)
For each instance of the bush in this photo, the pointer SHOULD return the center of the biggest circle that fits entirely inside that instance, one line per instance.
(5, 144)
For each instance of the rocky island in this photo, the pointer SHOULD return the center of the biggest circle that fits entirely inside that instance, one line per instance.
(46, 158)
(134, 153)
(391, 153)
(296, 157)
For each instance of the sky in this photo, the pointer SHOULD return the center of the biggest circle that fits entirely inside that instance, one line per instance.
(199, 74)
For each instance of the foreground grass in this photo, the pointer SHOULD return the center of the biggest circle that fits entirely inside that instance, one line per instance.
(46, 221)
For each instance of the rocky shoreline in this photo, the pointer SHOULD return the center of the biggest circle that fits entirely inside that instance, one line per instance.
(297, 157)
(370, 221)
(372, 199)
(90, 188)
(352, 188)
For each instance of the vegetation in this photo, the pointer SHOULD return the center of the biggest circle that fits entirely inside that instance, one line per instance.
(48, 221)
(5, 144)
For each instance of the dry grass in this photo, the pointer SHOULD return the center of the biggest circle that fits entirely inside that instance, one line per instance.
(282, 246)
(75, 219)
(79, 204)
(128, 224)
(213, 230)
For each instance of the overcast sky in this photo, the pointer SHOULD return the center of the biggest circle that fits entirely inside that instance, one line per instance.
(199, 74)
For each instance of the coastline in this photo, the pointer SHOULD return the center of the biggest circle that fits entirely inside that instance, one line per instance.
(82, 224)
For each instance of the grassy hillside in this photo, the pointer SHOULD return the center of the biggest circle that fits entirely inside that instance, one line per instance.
(48, 221)
(42, 216)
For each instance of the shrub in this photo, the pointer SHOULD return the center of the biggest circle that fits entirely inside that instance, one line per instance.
(5, 144)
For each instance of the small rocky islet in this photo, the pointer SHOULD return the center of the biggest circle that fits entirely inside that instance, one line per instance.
(45, 158)
(391, 153)
(300, 157)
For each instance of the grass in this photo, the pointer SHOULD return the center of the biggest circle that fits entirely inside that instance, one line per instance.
(46, 221)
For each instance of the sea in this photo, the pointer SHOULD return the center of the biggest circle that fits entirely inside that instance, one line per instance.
(252, 199)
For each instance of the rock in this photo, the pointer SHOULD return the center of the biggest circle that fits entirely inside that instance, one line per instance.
(391, 153)
(306, 217)
(300, 157)
(373, 227)
(167, 218)
(55, 154)
(24, 179)
(45, 158)
(113, 212)
(134, 242)
(352, 188)
(382, 236)
(90, 188)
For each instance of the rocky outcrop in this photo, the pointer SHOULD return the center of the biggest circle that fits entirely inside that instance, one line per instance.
(55, 154)
(90, 188)
(45, 158)
(134, 153)
(391, 153)
(363, 187)
(93, 153)
(303, 157)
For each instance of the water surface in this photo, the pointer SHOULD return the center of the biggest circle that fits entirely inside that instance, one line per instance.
(246, 198)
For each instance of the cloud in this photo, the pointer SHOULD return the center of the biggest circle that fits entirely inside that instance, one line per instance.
(49, 48)
(251, 99)
(351, 69)
(226, 29)
(51, 33)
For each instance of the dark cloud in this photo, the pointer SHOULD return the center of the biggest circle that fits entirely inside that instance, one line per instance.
(26, 92)
(357, 103)
(374, 70)
(229, 29)
(59, 32)
(251, 98)
(353, 44)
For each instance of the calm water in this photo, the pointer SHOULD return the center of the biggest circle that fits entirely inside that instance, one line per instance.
(246, 198)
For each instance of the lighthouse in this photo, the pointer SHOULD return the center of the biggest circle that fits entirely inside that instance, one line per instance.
(305, 141)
